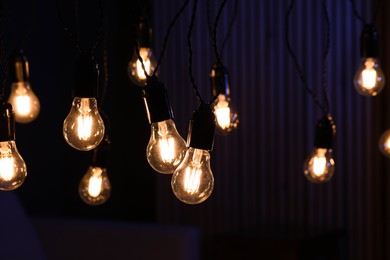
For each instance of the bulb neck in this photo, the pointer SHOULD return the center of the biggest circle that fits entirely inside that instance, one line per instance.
(144, 33)
(101, 153)
(369, 42)
(219, 79)
(20, 70)
(85, 77)
(202, 128)
(156, 100)
(7, 123)
(325, 131)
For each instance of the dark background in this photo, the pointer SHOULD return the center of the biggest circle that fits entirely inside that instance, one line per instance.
(260, 190)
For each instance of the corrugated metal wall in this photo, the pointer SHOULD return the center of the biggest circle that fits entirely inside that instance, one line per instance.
(259, 180)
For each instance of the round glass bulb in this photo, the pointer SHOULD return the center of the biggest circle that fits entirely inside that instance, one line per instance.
(83, 128)
(24, 102)
(384, 143)
(166, 148)
(193, 182)
(13, 169)
(226, 119)
(369, 79)
(319, 166)
(135, 71)
(95, 187)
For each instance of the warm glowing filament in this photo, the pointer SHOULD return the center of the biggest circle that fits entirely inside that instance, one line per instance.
(144, 55)
(369, 74)
(6, 168)
(319, 164)
(23, 104)
(95, 184)
(167, 149)
(84, 128)
(223, 116)
(192, 180)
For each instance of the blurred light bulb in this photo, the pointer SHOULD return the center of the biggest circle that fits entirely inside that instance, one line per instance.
(319, 166)
(369, 79)
(83, 128)
(193, 181)
(226, 119)
(166, 148)
(13, 169)
(95, 187)
(135, 70)
(25, 103)
(384, 143)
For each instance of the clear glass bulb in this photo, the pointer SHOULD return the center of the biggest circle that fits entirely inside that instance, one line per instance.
(193, 182)
(135, 71)
(95, 187)
(166, 148)
(319, 166)
(369, 79)
(13, 169)
(384, 143)
(25, 103)
(226, 119)
(83, 128)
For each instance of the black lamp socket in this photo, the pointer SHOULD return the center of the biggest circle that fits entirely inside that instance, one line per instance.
(85, 77)
(156, 100)
(19, 69)
(219, 78)
(202, 128)
(101, 153)
(325, 131)
(7, 123)
(369, 42)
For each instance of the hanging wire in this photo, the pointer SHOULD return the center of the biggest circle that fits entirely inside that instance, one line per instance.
(74, 37)
(360, 17)
(172, 23)
(3, 55)
(231, 24)
(324, 109)
(325, 57)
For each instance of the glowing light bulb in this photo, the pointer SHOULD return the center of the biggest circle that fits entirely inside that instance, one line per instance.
(319, 166)
(25, 103)
(95, 187)
(135, 70)
(226, 117)
(83, 128)
(384, 143)
(13, 170)
(166, 148)
(369, 79)
(193, 181)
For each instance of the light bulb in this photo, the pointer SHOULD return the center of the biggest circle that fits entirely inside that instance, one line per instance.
(384, 143)
(319, 166)
(13, 170)
(166, 148)
(193, 181)
(25, 103)
(95, 187)
(226, 118)
(135, 70)
(83, 128)
(369, 79)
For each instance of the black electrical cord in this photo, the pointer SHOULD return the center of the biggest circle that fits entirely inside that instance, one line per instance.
(360, 17)
(172, 23)
(74, 36)
(3, 56)
(324, 108)
(231, 24)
